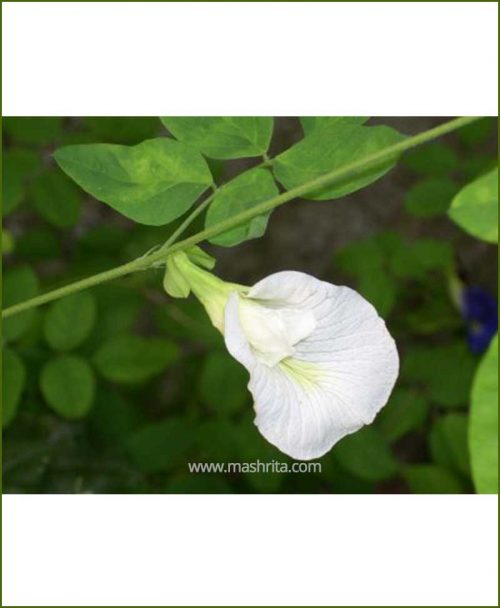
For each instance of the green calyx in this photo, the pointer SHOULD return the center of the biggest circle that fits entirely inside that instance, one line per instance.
(186, 272)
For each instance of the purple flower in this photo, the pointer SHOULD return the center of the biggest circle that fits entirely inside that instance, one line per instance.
(480, 311)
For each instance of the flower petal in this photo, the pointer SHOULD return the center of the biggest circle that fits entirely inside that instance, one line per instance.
(339, 377)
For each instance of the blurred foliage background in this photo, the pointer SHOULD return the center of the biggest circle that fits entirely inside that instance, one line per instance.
(117, 388)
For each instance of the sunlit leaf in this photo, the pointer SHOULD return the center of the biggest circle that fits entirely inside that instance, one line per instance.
(69, 320)
(130, 359)
(68, 385)
(483, 428)
(13, 380)
(330, 148)
(475, 207)
(223, 136)
(151, 183)
(242, 193)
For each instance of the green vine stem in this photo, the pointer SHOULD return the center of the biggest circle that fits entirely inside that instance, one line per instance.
(328, 179)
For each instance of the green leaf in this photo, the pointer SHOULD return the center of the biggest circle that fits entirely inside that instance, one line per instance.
(483, 426)
(197, 484)
(13, 381)
(432, 479)
(367, 455)
(244, 192)
(444, 372)
(406, 411)
(332, 148)
(414, 260)
(19, 284)
(161, 446)
(223, 137)
(448, 443)
(130, 359)
(56, 199)
(68, 385)
(223, 384)
(435, 159)
(18, 166)
(69, 321)
(430, 197)
(8, 242)
(151, 183)
(309, 123)
(33, 130)
(475, 207)
(477, 132)
(122, 129)
(39, 244)
(379, 289)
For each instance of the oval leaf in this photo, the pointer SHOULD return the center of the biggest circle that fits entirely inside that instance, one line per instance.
(18, 166)
(430, 197)
(333, 147)
(152, 183)
(223, 136)
(68, 385)
(483, 425)
(13, 380)
(475, 207)
(19, 284)
(69, 321)
(129, 359)
(243, 192)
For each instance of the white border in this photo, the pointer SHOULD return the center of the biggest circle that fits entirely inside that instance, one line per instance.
(278, 58)
(317, 550)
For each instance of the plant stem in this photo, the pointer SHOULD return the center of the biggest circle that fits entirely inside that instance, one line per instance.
(337, 175)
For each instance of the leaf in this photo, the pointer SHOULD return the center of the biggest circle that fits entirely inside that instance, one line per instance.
(223, 384)
(367, 455)
(309, 123)
(68, 385)
(475, 207)
(223, 137)
(379, 289)
(430, 197)
(18, 166)
(332, 148)
(434, 159)
(197, 484)
(161, 446)
(122, 129)
(406, 411)
(13, 381)
(244, 192)
(38, 244)
(483, 425)
(414, 260)
(151, 183)
(130, 359)
(477, 132)
(69, 321)
(444, 372)
(448, 443)
(19, 284)
(432, 479)
(56, 199)
(33, 130)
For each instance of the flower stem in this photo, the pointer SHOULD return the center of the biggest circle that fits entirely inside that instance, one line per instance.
(328, 179)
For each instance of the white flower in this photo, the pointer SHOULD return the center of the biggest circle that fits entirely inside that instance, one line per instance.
(321, 361)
